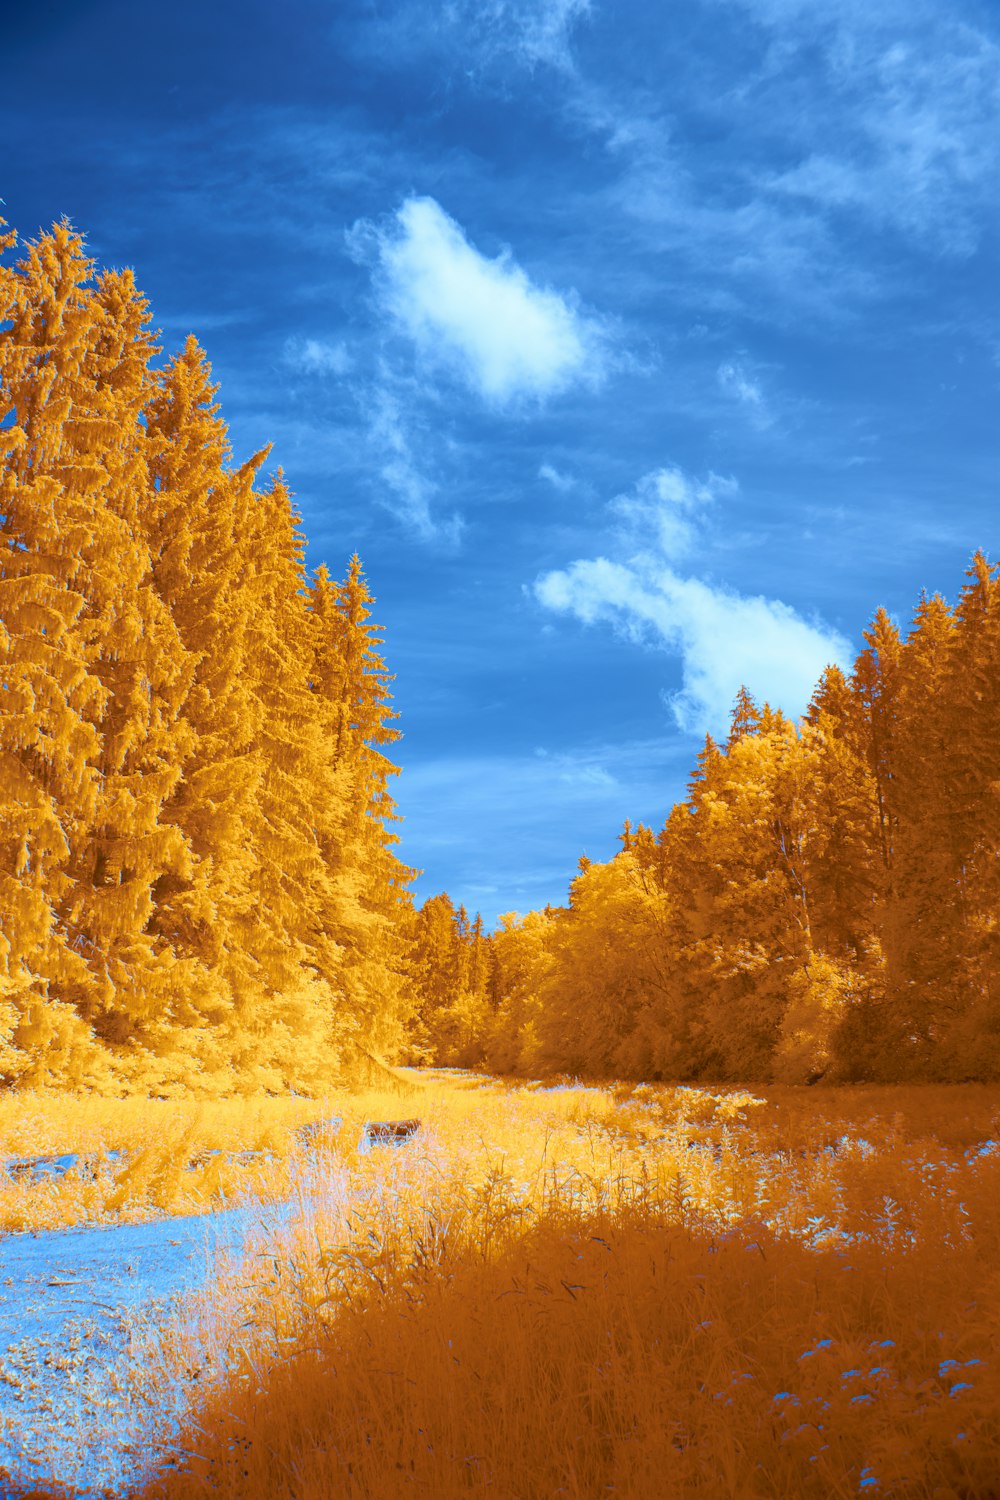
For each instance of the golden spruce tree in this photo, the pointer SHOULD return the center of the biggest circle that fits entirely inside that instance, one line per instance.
(84, 349)
(846, 868)
(923, 919)
(438, 967)
(875, 689)
(284, 1028)
(48, 743)
(970, 1033)
(196, 515)
(148, 996)
(480, 968)
(521, 960)
(742, 867)
(371, 914)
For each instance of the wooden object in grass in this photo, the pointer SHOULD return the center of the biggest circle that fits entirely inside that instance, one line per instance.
(387, 1133)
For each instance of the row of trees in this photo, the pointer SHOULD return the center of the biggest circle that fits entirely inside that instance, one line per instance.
(453, 972)
(197, 874)
(824, 902)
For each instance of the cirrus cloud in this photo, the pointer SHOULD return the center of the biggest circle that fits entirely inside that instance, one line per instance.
(310, 356)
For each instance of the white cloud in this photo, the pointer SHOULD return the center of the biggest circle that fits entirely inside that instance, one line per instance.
(483, 319)
(724, 639)
(316, 357)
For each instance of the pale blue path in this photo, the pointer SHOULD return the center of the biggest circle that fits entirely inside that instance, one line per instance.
(65, 1344)
(70, 1304)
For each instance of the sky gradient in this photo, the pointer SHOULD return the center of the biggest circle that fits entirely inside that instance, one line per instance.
(640, 351)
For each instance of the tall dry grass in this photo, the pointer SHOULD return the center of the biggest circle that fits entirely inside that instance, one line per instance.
(166, 1164)
(645, 1293)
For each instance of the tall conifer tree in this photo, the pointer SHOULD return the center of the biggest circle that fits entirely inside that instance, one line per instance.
(48, 743)
(350, 679)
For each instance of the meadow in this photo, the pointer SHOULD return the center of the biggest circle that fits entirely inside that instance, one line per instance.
(561, 1290)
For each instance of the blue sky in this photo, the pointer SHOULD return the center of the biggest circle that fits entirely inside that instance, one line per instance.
(638, 350)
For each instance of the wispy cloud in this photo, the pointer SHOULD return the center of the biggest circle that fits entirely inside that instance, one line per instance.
(820, 124)
(723, 638)
(916, 103)
(483, 320)
(482, 37)
(534, 31)
(560, 482)
(736, 381)
(409, 489)
(666, 510)
(317, 357)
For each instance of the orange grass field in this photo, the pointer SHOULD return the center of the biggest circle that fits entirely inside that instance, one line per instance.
(632, 1291)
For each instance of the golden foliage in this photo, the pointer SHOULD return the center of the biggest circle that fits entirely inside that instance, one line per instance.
(823, 904)
(197, 885)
